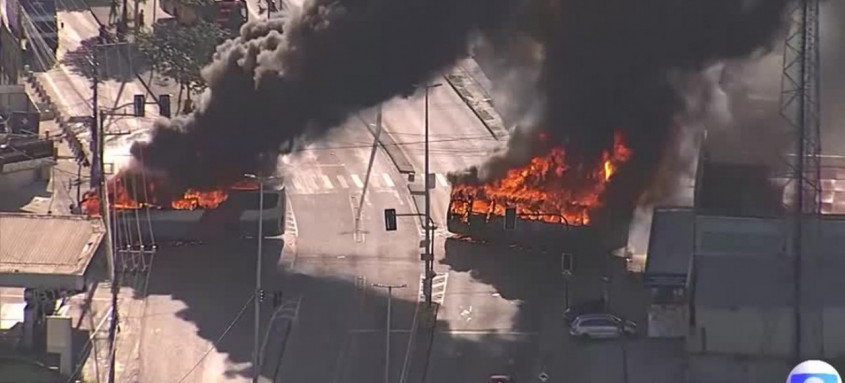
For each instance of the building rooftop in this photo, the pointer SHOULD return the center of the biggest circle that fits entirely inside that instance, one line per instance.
(670, 247)
(743, 281)
(755, 267)
(47, 250)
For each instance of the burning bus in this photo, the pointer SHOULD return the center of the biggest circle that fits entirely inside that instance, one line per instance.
(231, 210)
(553, 205)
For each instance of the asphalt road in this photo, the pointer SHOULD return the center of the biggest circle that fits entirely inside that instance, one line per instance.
(457, 138)
(342, 317)
(500, 306)
(196, 291)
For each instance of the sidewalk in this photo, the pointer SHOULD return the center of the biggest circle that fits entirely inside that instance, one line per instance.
(467, 79)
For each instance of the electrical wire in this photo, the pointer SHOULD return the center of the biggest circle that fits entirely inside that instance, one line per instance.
(214, 345)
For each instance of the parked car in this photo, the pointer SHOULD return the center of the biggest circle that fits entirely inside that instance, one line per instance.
(601, 326)
(595, 306)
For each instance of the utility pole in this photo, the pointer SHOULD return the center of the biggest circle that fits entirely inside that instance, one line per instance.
(123, 27)
(95, 141)
(78, 184)
(428, 256)
(260, 235)
(98, 182)
(387, 330)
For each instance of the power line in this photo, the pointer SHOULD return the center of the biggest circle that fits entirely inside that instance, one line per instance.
(213, 345)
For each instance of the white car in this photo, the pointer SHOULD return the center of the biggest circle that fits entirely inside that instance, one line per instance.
(601, 326)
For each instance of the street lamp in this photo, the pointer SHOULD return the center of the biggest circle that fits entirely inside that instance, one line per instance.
(387, 331)
(260, 235)
(429, 256)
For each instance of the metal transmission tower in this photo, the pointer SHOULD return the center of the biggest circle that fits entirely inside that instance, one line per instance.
(800, 106)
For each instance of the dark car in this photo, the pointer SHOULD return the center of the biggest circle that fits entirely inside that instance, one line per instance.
(595, 306)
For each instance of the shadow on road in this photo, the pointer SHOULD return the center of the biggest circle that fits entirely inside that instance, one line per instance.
(119, 62)
(339, 336)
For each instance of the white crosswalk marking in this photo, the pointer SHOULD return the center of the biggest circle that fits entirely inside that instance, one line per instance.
(295, 182)
(342, 182)
(308, 182)
(290, 220)
(387, 181)
(315, 182)
(438, 288)
(442, 180)
(326, 182)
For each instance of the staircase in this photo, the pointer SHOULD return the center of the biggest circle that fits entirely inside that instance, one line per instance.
(48, 110)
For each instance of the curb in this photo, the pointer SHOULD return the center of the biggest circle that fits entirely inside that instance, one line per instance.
(458, 78)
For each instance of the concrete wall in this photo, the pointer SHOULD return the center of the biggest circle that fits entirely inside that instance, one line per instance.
(741, 236)
(11, 59)
(21, 179)
(746, 331)
(758, 332)
(13, 98)
(833, 333)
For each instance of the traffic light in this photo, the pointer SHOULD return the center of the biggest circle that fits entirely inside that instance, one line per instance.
(510, 218)
(224, 13)
(261, 295)
(390, 219)
(138, 104)
(567, 263)
(164, 105)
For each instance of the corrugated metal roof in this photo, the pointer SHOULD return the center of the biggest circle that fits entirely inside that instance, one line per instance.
(671, 245)
(48, 244)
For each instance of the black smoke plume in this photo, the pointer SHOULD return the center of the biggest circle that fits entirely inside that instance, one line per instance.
(606, 67)
(613, 66)
(280, 84)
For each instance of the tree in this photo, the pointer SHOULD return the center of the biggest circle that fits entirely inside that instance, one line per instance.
(178, 53)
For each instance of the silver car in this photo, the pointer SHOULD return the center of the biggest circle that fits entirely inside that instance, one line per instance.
(601, 326)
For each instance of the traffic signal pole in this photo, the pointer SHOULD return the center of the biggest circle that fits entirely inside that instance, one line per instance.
(428, 256)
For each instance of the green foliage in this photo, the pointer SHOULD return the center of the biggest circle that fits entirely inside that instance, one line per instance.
(179, 52)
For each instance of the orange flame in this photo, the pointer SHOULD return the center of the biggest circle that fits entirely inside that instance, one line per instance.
(121, 198)
(541, 190)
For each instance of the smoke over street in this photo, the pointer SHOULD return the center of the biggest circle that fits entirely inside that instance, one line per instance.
(607, 66)
(269, 92)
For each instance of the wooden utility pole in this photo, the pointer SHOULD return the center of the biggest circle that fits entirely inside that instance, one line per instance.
(98, 181)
